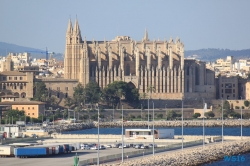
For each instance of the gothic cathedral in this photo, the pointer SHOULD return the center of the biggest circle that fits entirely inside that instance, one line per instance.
(143, 64)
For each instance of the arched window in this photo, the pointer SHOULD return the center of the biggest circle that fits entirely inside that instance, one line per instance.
(127, 70)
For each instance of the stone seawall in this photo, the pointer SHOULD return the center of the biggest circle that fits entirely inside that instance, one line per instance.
(189, 123)
(194, 156)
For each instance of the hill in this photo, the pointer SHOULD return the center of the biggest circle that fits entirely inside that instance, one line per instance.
(6, 48)
(210, 54)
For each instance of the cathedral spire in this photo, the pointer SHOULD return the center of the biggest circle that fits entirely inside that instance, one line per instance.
(69, 29)
(145, 38)
(77, 32)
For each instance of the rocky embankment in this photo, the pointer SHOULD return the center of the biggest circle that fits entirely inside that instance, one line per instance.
(195, 156)
(190, 123)
(69, 127)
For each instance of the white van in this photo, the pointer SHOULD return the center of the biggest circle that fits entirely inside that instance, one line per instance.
(85, 147)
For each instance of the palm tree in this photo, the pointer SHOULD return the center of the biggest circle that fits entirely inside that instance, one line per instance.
(150, 89)
(143, 96)
(120, 93)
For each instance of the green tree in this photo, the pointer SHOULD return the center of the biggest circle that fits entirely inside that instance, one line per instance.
(40, 92)
(196, 115)
(92, 93)
(78, 95)
(160, 116)
(209, 114)
(171, 114)
(150, 89)
(246, 103)
(112, 93)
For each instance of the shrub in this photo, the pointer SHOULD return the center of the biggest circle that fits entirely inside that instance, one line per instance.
(246, 103)
(196, 115)
(160, 116)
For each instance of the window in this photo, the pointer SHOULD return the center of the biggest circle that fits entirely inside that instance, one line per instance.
(16, 108)
(58, 95)
(221, 85)
(28, 108)
(21, 78)
(33, 107)
(66, 95)
(233, 95)
(33, 114)
(4, 78)
(22, 108)
(15, 78)
(10, 78)
(233, 90)
(4, 86)
(14, 86)
(28, 113)
(58, 88)
(66, 88)
(233, 85)
(228, 90)
(21, 86)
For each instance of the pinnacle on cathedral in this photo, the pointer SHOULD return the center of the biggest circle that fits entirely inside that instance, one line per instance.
(145, 38)
(76, 30)
(69, 29)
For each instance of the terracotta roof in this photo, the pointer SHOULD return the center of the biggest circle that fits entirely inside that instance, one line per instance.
(21, 103)
(12, 73)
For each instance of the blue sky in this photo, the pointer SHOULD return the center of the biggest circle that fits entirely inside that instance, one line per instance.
(199, 24)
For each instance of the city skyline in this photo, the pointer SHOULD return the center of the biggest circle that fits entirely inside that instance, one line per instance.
(206, 24)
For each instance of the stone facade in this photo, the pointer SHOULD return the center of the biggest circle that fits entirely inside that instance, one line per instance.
(228, 88)
(59, 87)
(16, 86)
(142, 63)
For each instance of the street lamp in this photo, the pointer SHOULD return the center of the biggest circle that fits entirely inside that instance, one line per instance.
(166, 110)
(182, 124)
(113, 113)
(141, 112)
(222, 121)
(148, 112)
(153, 128)
(98, 146)
(122, 135)
(241, 120)
(205, 107)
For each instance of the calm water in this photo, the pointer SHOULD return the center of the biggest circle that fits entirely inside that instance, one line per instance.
(234, 131)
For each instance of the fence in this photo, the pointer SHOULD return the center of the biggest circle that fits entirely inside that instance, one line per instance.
(137, 153)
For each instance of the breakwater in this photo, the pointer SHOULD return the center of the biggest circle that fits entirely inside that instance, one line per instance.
(144, 124)
(187, 123)
(194, 156)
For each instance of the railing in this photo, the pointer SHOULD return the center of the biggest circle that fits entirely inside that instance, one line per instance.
(142, 152)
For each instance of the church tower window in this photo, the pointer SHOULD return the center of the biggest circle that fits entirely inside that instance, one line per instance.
(127, 69)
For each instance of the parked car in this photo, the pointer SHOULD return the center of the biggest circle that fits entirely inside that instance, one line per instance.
(138, 146)
(126, 145)
(85, 147)
(144, 147)
(151, 145)
(102, 147)
(93, 148)
(109, 146)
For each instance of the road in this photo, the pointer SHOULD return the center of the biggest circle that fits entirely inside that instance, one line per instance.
(60, 160)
